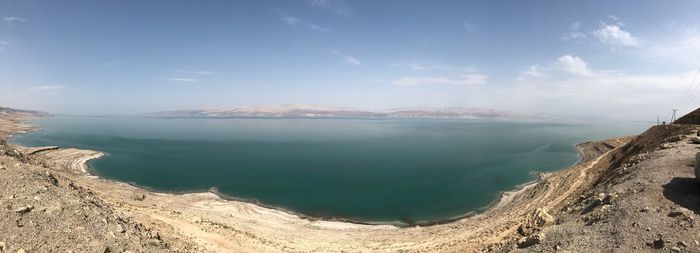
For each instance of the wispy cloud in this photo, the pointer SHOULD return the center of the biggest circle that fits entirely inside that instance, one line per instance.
(12, 20)
(346, 58)
(45, 88)
(614, 35)
(4, 44)
(295, 21)
(683, 49)
(337, 7)
(467, 76)
(198, 72)
(574, 33)
(351, 60)
(533, 71)
(469, 26)
(420, 66)
(571, 85)
(113, 63)
(182, 80)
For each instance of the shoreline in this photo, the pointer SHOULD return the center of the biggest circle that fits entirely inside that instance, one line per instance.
(213, 223)
(504, 197)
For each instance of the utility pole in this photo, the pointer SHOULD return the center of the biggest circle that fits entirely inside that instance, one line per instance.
(673, 117)
(658, 122)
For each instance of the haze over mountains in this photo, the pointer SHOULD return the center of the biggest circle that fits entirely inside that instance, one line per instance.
(320, 111)
(9, 111)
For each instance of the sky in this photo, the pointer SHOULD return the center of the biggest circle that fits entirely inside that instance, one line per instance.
(626, 60)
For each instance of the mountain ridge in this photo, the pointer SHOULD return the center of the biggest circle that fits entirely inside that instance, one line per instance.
(307, 111)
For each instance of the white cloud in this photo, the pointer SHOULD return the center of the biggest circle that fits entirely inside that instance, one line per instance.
(337, 7)
(291, 20)
(614, 35)
(575, 25)
(294, 21)
(12, 20)
(468, 26)
(684, 49)
(113, 63)
(573, 65)
(570, 87)
(45, 88)
(181, 79)
(420, 66)
(463, 79)
(351, 60)
(4, 44)
(575, 36)
(533, 71)
(346, 58)
(198, 72)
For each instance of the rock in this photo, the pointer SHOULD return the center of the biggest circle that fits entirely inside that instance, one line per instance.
(674, 138)
(120, 229)
(675, 214)
(530, 240)
(24, 209)
(666, 146)
(542, 218)
(21, 251)
(153, 242)
(13, 152)
(140, 197)
(675, 249)
(2, 246)
(51, 178)
(657, 244)
(535, 220)
(697, 166)
(695, 140)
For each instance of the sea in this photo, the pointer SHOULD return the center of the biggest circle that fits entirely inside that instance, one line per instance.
(406, 171)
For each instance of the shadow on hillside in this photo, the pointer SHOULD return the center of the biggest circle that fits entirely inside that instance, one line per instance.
(685, 192)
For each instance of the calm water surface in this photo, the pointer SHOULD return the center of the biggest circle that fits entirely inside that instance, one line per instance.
(377, 170)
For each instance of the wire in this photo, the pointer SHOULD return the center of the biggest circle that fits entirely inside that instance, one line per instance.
(690, 95)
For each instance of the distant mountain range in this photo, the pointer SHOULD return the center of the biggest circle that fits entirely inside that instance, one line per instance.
(305, 111)
(7, 110)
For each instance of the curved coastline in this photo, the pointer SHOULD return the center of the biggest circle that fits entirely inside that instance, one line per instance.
(215, 224)
(82, 164)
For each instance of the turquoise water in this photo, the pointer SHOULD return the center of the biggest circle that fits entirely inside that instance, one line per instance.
(371, 170)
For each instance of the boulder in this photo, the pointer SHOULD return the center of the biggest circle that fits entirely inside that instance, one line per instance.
(530, 240)
(695, 140)
(676, 138)
(542, 218)
(24, 209)
(535, 220)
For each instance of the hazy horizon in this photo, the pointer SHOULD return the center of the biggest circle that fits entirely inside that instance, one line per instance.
(627, 60)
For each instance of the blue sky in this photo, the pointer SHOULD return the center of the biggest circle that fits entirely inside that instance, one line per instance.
(609, 59)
